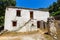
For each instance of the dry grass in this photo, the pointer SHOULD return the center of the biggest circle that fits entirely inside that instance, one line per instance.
(21, 33)
(6, 35)
(48, 37)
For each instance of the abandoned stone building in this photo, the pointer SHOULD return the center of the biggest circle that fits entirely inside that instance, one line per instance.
(24, 19)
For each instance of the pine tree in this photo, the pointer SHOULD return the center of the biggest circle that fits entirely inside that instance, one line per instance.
(3, 5)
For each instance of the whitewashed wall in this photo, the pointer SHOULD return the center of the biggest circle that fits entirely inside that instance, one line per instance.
(10, 16)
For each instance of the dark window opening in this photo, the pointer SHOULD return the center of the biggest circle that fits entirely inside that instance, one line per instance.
(31, 14)
(14, 23)
(44, 24)
(32, 25)
(38, 24)
(18, 13)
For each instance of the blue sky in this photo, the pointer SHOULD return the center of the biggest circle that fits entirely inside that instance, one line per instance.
(34, 3)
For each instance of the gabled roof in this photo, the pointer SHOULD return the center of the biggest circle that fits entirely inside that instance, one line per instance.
(39, 9)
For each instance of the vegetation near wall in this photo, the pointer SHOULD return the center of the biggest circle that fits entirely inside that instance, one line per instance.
(3, 5)
(54, 9)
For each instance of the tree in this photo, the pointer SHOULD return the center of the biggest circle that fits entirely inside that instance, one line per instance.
(55, 8)
(3, 5)
(58, 2)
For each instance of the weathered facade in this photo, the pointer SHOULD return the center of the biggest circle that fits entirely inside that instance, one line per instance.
(24, 19)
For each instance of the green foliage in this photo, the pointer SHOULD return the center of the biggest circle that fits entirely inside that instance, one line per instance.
(54, 9)
(55, 13)
(3, 5)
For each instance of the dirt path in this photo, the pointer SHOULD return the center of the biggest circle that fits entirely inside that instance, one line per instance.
(35, 35)
(24, 37)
